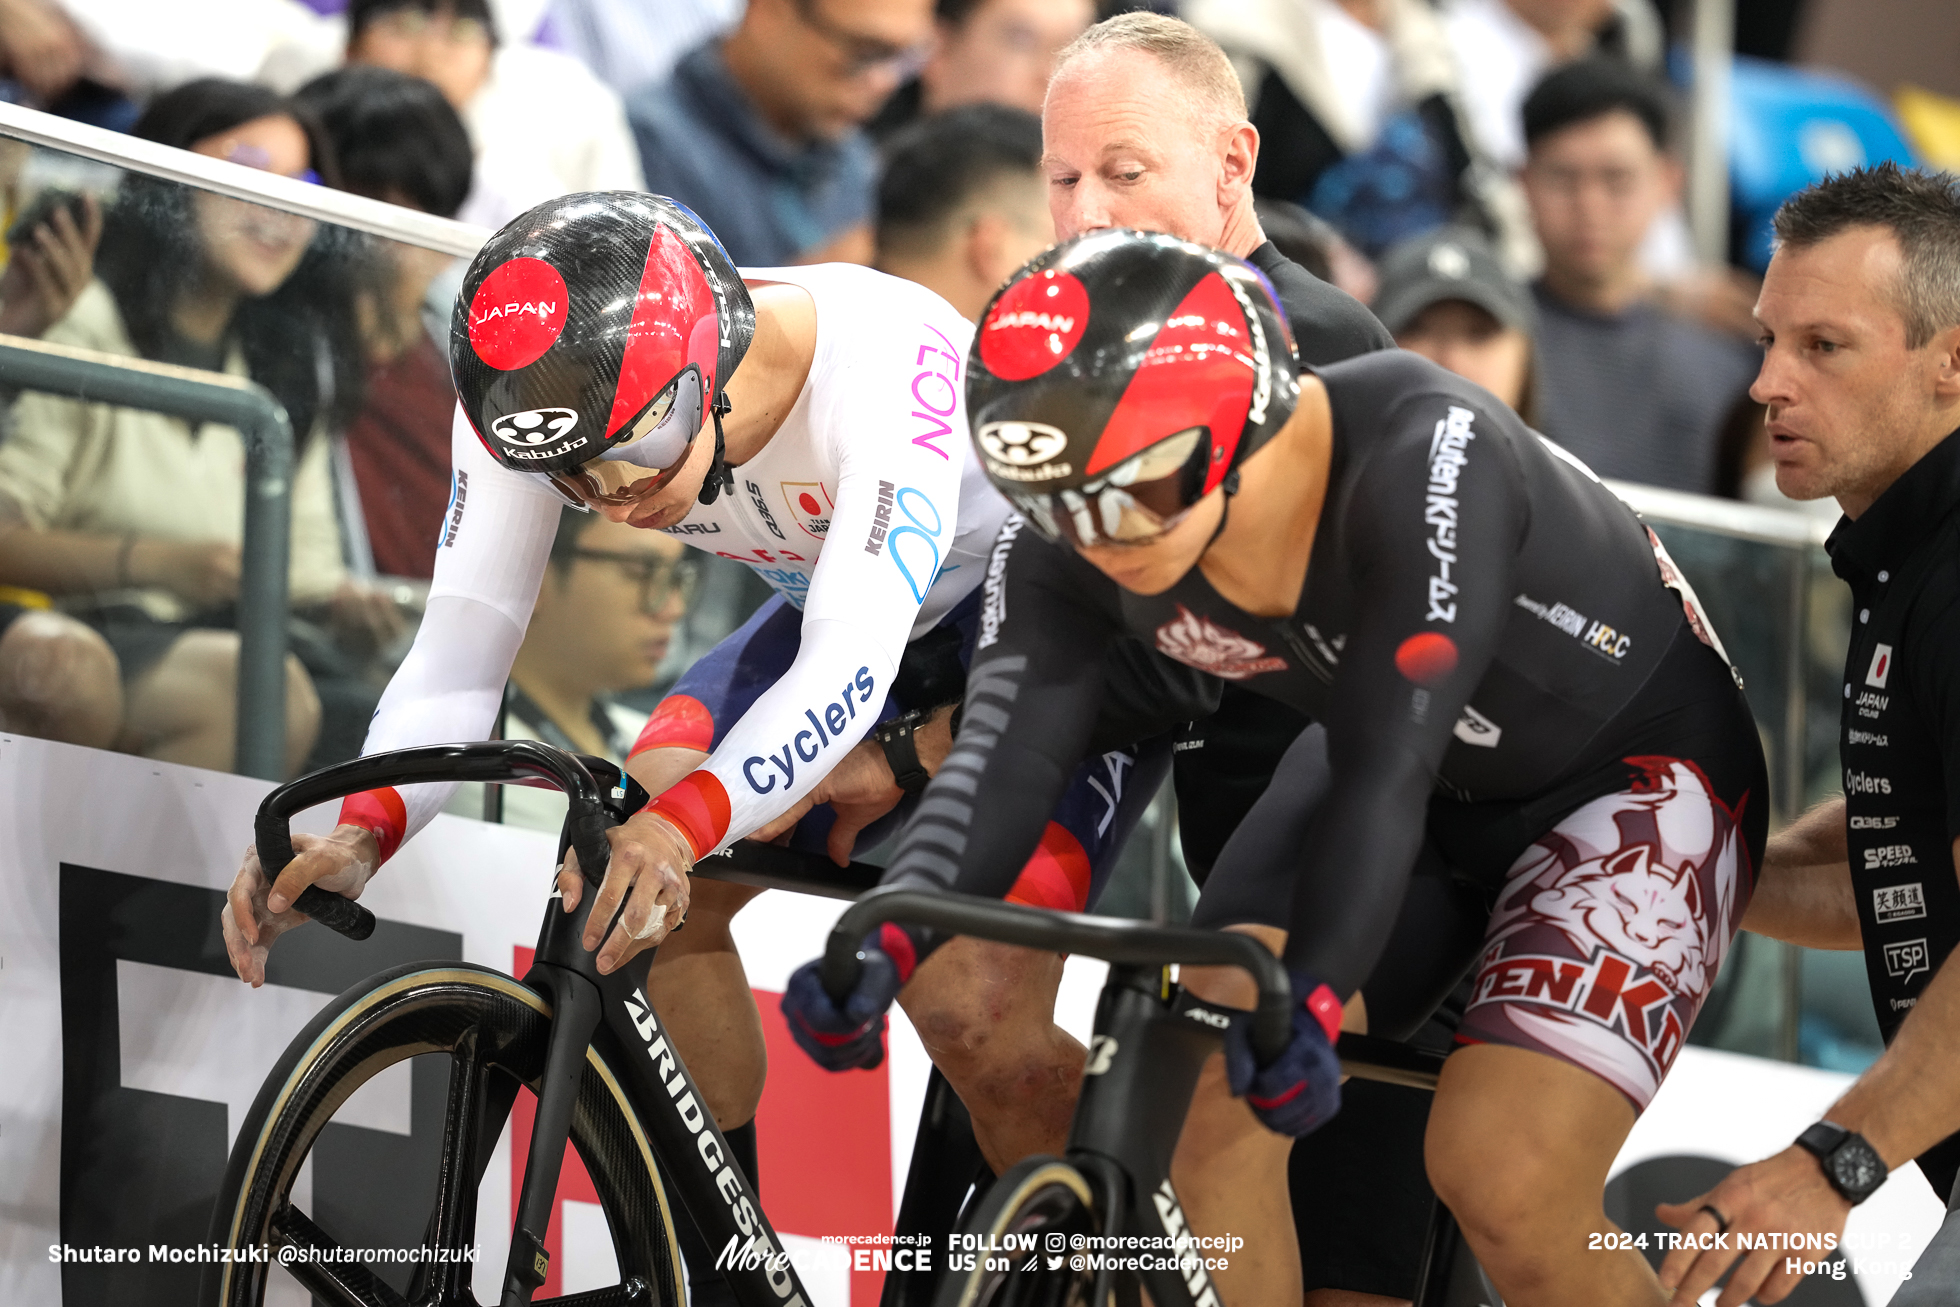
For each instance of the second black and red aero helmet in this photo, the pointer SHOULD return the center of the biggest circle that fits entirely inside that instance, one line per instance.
(1121, 377)
(592, 338)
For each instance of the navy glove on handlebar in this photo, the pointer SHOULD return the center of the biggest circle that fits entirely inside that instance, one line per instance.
(850, 1037)
(1301, 1091)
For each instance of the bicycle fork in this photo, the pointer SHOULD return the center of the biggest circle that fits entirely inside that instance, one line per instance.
(1151, 1041)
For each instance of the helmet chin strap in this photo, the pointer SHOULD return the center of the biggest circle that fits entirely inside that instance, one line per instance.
(1230, 485)
(720, 477)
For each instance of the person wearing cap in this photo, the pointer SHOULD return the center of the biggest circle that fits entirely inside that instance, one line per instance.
(1446, 297)
(1522, 707)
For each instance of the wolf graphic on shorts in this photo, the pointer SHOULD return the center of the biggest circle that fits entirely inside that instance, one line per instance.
(1610, 928)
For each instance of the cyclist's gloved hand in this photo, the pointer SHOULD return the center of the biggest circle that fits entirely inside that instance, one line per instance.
(853, 1036)
(1299, 1092)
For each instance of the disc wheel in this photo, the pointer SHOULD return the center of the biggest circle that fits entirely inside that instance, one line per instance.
(1037, 1198)
(494, 1032)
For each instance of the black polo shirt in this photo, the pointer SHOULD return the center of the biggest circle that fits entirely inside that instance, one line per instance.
(1899, 737)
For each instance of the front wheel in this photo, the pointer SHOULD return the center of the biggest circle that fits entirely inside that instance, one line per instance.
(494, 1032)
(1026, 1230)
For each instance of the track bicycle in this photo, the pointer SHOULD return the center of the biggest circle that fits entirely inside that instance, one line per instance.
(1150, 1040)
(590, 1047)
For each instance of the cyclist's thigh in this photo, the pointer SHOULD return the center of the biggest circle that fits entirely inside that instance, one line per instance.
(724, 683)
(1086, 832)
(1610, 925)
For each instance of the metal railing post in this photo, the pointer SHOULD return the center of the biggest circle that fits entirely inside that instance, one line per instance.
(1708, 154)
(267, 534)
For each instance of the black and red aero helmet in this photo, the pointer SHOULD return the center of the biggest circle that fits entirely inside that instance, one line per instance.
(592, 337)
(1121, 377)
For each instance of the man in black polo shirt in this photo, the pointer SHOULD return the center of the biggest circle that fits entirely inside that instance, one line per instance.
(1860, 313)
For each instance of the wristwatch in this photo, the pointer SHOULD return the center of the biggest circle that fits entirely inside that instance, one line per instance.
(1853, 1166)
(895, 737)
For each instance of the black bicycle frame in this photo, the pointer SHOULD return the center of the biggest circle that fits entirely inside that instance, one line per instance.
(696, 1160)
(1151, 1039)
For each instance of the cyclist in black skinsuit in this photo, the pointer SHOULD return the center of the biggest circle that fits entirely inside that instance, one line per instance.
(1536, 758)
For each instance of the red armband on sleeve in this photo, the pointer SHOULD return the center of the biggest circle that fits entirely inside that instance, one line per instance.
(681, 721)
(379, 812)
(698, 806)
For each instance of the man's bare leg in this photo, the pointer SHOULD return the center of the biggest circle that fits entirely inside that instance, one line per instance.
(1229, 1169)
(702, 994)
(986, 1014)
(697, 983)
(1528, 1186)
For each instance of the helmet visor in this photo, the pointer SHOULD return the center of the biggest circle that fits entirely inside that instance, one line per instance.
(1138, 500)
(649, 457)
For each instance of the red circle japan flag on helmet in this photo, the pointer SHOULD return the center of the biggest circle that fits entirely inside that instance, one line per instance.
(517, 313)
(1034, 325)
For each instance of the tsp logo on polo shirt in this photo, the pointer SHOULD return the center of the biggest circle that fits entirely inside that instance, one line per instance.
(1905, 960)
(1881, 667)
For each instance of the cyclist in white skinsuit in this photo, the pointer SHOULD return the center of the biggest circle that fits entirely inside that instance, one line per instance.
(884, 349)
(845, 425)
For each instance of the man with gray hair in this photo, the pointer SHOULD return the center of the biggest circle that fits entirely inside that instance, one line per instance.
(1145, 127)
(1860, 314)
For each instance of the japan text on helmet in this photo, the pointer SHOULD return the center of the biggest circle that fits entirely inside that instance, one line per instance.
(593, 336)
(1121, 377)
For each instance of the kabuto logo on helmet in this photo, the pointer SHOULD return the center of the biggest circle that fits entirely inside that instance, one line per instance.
(1024, 451)
(1034, 325)
(517, 313)
(617, 317)
(535, 433)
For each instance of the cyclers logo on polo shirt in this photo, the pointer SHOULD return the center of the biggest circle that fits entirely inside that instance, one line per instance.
(808, 746)
(1856, 782)
(1448, 452)
(758, 1252)
(993, 589)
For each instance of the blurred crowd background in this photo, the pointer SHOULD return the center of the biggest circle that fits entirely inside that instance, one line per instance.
(1502, 181)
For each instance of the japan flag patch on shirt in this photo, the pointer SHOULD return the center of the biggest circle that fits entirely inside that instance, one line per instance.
(1881, 667)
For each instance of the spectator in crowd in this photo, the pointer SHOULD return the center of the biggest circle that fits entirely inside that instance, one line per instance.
(1503, 48)
(606, 613)
(142, 49)
(631, 43)
(762, 133)
(1360, 113)
(397, 139)
(58, 679)
(1597, 177)
(541, 124)
(962, 203)
(987, 52)
(1447, 297)
(132, 519)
